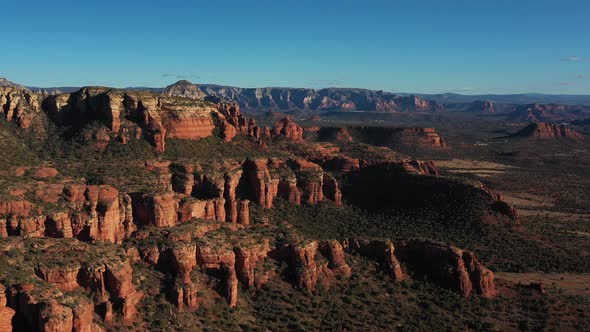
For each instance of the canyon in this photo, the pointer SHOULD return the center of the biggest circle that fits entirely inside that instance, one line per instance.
(211, 223)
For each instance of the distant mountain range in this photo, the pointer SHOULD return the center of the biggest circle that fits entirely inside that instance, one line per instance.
(279, 98)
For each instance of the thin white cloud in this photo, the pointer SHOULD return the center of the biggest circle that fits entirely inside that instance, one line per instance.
(181, 76)
(574, 58)
(464, 89)
(324, 83)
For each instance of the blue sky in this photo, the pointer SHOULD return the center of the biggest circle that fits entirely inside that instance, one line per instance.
(428, 46)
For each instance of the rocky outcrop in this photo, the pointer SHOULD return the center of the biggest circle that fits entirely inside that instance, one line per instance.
(249, 259)
(19, 105)
(288, 128)
(60, 297)
(264, 187)
(222, 260)
(6, 313)
(340, 163)
(422, 167)
(6, 316)
(314, 262)
(447, 266)
(186, 297)
(424, 138)
(547, 113)
(244, 212)
(339, 134)
(331, 189)
(421, 137)
(334, 252)
(151, 116)
(186, 89)
(499, 205)
(289, 191)
(382, 251)
(55, 317)
(157, 210)
(303, 265)
(90, 212)
(212, 209)
(547, 131)
(223, 190)
(310, 181)
(482, 106)
(308, 99)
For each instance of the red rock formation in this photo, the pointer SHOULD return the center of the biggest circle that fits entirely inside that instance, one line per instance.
(155, 117)
(16, 208)
(303, 265)
(184, 125)
(157, 210)
(545, 113)
(310, 180)
(334, 252)
(150, 254)
(228, 131)
(339, 134)
(244, 212)
(186, 298)
(482, 279)
(424, 167)
(380, 251)
(83, 313)
(183, 178)
(93, 213)
(288, 128)
(105, 275)
(500, 205)
(55, 317)
(6, 313)
(45, 172)
(19, 105)
(232, 179)
(223, 260)
(340, 163)
(547, 131)
(247, 259)
(264, 187)
(482, 106)
(448, 266)
(421, 137)
(331, 190)
(289, 191)
(64, 278)
(212, 209)
(184, 260)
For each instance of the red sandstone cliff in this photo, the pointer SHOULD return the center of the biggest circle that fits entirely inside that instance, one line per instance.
(133, 114)
(91, 213)
(547, 131)
(288, 128)
(447, 266)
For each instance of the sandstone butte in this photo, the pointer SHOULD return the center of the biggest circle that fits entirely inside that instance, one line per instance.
(199, 224)
(424, 138)
(547, 131)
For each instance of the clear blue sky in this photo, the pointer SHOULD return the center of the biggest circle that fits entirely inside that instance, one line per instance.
(429, 46)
